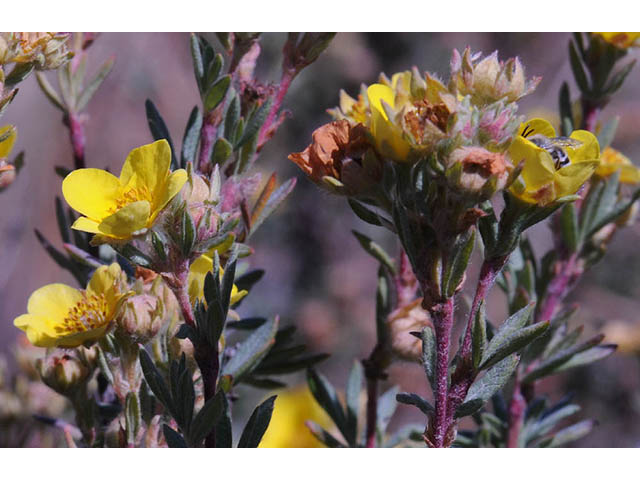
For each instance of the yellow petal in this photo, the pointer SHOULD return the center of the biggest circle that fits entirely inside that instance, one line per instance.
(147, 166)
(537, 126)
(38, 329)
(174, 184)
(538, 169)
(104, 278)
(588, 151)
(7, 145)
(77, 339)
(197, 273)
(128, 220)
(378, 93)
(237, 295)
(92, 192)
(570, 178)
(86, 225)
(53, 301)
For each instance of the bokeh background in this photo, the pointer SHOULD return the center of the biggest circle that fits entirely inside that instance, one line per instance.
(318, 278)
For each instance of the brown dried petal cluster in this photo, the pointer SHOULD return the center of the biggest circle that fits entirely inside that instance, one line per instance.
(333, 144)
(426, 115)
(478, 165)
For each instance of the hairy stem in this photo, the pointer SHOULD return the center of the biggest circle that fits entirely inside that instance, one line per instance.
(266, 131)
(208, 134)
(442, 315)
(559, 286)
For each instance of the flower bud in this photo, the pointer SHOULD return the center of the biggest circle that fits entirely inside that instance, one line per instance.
(63, 371)
(479, 172)
(401, 322)
(7, 174)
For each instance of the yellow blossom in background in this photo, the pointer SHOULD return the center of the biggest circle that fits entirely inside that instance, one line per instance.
(613, 161)
(287, 428)
(621, 40)
(115, 208)
(62, 316)
(544, 178)
(198, 271)
(7, 139)
(387, 136)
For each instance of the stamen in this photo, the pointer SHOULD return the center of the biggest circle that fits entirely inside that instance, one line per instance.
(88, 313)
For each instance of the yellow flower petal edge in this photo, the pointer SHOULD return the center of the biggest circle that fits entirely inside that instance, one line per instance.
(117, 208)
(198, 271)
(613, 161)
(62, 316)
(622, 40)
(540, 182)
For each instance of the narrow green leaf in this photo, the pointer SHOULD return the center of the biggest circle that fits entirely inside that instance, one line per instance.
(155, 381)
(488, 385)
(173, 438)
(588, 356)
(207, 418)
(191, 138)
(257, 425)
(327, 398)
(276, 198)
(429, 355)
(251, 351)
(572, 433)
(159, 129)
(354, 387)
(232, 116)
(90, 90)
(618, 79)
(323, 436)
(196, 55)
(458, 264)
(566, 113)
(215, 95)
(49, 91)
(479, 335)
(577, 68)
(254, 123)
(608, 132)
(224, 431)
(387, 405)
(375, 250)
(417, 401)
(569, 224)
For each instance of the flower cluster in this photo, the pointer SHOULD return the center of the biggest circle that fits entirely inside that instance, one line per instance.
(45, 50)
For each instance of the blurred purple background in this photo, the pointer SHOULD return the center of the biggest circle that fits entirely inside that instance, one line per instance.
(318, 278)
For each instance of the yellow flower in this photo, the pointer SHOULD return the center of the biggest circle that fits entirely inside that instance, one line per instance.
(118, 208)
(287, 428)
(612, 161)
(621, 40)
(551, 169)
(198, 271)
(387, 136)
(62, 316)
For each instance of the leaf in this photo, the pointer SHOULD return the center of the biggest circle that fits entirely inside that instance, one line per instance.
(63, 223)
(619, 209)
(250, 323)
(588, 356)
(155, 381)
(254, 123)
(572, 433)
(159, 129)
(417, 401)
(327, 398)
(257, 425)
(215, 95)
(50, 93)
(90, 90)
(19, 72)
(232, 116)
(512, 336)
(479, 335)
(548, 422)
(375, 250)
(599, 204)
(207, 418)
(196, 55)
(262, 200)
(488, 385)
(252, 350)
(618, 78)
(249, 279)
(429, 355)
(274, 201)
(221, 152)
(367, 215)
(173, 438)
(569, 224)
(566, 114)
(578, 71)
(354, 387)
(458, 265)
(386, 408)
(191, 138)
(323, 436)
(608, 132)
(224, 431)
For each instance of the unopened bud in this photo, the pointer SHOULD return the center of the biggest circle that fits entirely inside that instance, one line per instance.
(401, 322)
(63, 372)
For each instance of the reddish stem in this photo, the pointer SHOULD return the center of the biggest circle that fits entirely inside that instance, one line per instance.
(488, 274)
(442, 315)
(77, 137)
(558, 288)
(208, 134)
(591, 113)
(288, 74)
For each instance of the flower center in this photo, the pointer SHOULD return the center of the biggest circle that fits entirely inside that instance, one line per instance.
(424, 112)
(89, 313)
(131, 195)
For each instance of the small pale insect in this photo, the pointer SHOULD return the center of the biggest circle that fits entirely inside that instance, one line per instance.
(554, 145)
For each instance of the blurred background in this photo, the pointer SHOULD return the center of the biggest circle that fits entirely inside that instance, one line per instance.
(318, 278)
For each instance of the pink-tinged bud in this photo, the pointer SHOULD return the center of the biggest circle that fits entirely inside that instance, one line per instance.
(63, 371)
(478, 172)
(7, 174)
(142, 317)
